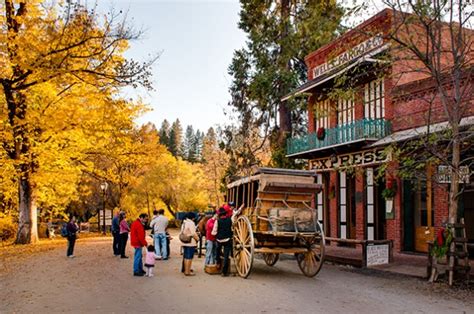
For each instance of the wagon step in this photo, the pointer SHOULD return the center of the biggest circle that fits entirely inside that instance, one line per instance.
(281, 250)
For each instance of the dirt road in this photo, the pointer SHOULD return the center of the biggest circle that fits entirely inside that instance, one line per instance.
(96, 281)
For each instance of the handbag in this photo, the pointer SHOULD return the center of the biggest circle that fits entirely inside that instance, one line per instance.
(183, 237)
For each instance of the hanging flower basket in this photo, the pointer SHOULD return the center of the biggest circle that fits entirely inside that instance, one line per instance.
(390, 189)
(321, 133)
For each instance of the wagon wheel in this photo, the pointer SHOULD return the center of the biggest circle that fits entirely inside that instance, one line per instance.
(243, 246)
(310, 262)
(271, 258)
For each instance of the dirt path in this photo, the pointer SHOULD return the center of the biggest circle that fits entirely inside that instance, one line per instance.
(96, 281)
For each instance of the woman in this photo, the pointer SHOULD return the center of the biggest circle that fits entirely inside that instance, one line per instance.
(189, 228)
(124, 230)
(72, 229)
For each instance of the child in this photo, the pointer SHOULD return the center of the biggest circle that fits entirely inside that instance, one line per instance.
(150, 260)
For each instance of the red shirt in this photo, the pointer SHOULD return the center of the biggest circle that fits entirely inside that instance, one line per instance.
(209, 226)
(137, 234)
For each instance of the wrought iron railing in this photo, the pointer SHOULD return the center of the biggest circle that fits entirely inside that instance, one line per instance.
(365, 129)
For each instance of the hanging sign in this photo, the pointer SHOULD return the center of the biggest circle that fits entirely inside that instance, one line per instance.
(362, 158)
(349, 55)
(445, 173)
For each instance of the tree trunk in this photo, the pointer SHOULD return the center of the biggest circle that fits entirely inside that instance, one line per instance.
(454, 187)
(27, 218)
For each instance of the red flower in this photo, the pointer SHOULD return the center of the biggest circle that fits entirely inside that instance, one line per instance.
(390, 184)
(440, 237)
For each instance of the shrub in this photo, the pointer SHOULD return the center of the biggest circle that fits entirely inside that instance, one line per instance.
(7, 228)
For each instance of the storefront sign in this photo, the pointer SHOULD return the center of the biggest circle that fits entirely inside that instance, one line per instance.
(363, 158)
(445, 172)
(349, 55)
(377, 254)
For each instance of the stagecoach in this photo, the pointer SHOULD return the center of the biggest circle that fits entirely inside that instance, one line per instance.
(277, 219)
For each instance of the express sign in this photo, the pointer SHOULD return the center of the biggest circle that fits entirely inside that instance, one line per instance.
(363, 158)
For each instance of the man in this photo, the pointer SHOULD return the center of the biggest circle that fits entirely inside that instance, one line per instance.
(159, 225)
(116, 233)
(138, 241)
(223, 231)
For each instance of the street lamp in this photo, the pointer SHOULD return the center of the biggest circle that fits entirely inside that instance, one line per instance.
(103, 187)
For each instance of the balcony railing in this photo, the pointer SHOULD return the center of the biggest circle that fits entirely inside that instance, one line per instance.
(366, 129)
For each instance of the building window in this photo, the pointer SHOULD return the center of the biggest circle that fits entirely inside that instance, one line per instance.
(321, 114)
(345, 111)
(374, 100)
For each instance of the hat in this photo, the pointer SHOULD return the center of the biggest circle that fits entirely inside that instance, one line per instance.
(222, 212)
(232, 204)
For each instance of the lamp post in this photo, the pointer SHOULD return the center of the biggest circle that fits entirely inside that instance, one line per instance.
(103, 187)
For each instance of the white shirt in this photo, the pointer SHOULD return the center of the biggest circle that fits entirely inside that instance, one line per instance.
(159, 224)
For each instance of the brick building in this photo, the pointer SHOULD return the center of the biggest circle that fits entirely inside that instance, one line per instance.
(349, 132)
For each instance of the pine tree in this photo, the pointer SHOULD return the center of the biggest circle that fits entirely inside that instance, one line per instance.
(280, 34)
(189, 138)
(176, 139)
(164, 133)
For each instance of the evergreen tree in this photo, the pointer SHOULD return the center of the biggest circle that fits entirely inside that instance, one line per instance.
(280, 34)
(197, 145)
(189, 138)
(164, 133)
(176, 139)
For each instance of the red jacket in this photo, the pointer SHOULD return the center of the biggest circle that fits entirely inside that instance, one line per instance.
(137, 234)
(209, 226)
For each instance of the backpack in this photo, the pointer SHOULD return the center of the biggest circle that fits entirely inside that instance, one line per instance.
(64, 232)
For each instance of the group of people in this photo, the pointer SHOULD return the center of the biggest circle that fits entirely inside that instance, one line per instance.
(218, 239)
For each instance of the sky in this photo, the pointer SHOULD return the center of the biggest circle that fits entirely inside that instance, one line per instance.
(196, 39)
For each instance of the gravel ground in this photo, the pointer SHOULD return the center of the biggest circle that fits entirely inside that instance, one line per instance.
(40, 279)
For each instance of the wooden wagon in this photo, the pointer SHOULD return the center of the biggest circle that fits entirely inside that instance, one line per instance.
(277, 219)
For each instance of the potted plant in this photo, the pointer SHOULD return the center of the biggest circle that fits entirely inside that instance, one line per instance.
(441, 244)
(390, 190)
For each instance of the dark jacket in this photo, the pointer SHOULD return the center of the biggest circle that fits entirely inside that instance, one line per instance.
(224, 228)
(72, 229)
(115, 224)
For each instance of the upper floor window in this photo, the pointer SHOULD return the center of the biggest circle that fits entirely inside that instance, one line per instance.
(321, 114)
(345, 111)
(374, 100)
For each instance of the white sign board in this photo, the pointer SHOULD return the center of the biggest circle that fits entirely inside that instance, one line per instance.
(445, 173)
(377, 254)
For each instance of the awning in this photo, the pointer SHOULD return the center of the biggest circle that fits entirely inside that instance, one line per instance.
(335, 73)
(417, 132)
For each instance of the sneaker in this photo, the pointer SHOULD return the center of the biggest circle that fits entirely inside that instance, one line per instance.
(138, 274)
(150, 275)
(158, 258)
(143, 272)
(124, 256)
(71, 256)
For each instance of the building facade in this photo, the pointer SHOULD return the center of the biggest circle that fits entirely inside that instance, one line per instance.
(362, 102)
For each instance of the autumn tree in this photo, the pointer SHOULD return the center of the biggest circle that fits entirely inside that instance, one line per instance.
(56, 57)
(215, 163)
(280, 34)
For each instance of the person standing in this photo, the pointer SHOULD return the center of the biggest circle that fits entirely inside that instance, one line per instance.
(211, 245)
(189, 229)
(223, 232)
(72, 229)
(124, 229)
(138, 241)
(116, 234)
(159, 225)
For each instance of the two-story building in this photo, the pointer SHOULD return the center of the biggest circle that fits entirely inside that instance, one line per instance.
(361, 100)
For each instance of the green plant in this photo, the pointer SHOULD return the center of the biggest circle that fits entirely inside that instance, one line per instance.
(388, 193)
(443, 240)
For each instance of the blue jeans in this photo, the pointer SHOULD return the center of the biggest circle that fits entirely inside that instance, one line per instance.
(137, 261)
(160, 245)
(211, 248)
